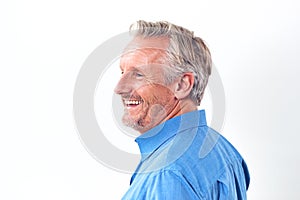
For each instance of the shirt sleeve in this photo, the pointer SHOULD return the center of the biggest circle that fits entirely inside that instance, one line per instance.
(170, 185)
(232, 184)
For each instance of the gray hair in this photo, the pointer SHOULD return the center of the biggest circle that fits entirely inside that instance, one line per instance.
(186, 53)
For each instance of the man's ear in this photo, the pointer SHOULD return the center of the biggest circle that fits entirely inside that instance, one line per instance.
(184, 85)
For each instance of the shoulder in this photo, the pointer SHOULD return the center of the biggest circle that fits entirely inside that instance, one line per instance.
(209, 161)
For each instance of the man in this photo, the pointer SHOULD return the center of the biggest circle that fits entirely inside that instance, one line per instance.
(165, 70)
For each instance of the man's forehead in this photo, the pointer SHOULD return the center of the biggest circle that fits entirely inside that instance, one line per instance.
(139, 42)
(145, 50)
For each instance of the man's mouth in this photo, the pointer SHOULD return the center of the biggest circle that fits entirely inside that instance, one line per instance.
(132, 103)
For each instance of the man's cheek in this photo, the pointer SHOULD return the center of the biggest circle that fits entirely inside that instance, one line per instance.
(147, 95)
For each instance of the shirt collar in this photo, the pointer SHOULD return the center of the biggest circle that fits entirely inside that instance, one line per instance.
(157, 136)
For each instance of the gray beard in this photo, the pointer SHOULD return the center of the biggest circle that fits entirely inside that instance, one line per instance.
(157, 114)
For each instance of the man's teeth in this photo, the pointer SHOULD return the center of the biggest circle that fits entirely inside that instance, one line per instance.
(133, 102)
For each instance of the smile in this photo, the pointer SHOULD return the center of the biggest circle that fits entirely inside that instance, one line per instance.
(131, 103)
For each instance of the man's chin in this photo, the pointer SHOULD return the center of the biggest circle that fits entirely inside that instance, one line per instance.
(139, 125)
(129, 122)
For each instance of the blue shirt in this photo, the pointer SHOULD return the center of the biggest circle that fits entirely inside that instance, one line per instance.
(183, 158)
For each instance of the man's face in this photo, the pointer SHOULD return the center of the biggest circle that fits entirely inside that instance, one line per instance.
(148, 101)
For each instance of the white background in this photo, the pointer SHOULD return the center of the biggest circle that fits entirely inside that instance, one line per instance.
(255, 46)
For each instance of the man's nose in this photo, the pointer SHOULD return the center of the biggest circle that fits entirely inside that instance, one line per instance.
(124, 85)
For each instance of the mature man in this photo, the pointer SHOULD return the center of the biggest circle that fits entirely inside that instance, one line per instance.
(165, 70)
